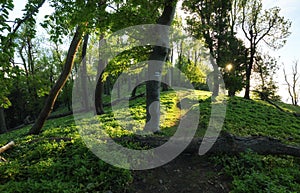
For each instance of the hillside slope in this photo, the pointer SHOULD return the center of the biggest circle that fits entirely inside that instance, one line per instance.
(59, 161)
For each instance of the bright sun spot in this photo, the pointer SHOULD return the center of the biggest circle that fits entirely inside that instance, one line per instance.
(229, 67)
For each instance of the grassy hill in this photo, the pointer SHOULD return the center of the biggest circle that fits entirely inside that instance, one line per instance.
(59, 161)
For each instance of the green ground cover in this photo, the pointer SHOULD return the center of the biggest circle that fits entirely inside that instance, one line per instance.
(58, 160)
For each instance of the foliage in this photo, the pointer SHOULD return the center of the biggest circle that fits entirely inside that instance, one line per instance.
(261, 119)
(234, 70)
(215, 22)
(209, 21)
(266, 68)
(57, 161)
(7, 44)
(258, 26)
(257, 173)
(254, 118)
(192, 71)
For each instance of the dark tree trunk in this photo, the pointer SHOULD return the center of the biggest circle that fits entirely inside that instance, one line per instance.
(247, 88)
(98, 96)
(216, 87)
(3, 128)
(231, 92)
(133, 93)
(107, 86)
(84, 85)
(154, 69)
(99, 86)
(165, 86)
(248, 73)
(36, 128)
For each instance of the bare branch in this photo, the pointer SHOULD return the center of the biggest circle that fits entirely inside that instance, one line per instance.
(243, 23)
(288, 84)
(292, 87)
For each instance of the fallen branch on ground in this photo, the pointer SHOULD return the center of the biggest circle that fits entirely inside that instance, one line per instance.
(7, 146)
(228, 144)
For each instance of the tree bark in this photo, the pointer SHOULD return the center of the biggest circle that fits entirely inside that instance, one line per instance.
(98, 100)
(216, 85)
(159, 54)
(3, 128)
(248, 71)
(36, 128)
(84, 85)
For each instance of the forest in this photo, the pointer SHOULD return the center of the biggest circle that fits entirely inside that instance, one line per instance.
(146, 96)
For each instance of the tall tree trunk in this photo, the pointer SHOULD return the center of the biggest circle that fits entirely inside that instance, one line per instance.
(3, 128)
(36, 128)
(167, 84)
(99, 96)
(98, 100)
(247, 88)
(129, 83)
(216, 86)
(248, 73)
(172, 68)
(154, 70)
(84, 85)
(107, 86)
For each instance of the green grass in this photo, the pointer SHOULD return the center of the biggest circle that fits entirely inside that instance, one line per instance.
(288, 107)
(245, 118)
(59, 161)
(250, 172)
(56, 161)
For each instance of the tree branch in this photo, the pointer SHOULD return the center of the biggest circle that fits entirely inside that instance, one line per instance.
(288, 84)
(7, 146)
(243, 24)
(20, 22)
(271, 25)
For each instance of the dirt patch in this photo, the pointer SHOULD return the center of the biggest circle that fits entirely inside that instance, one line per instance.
(186, 173)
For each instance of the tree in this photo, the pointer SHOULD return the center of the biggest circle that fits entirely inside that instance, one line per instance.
(84, 86)
(194, 73)
(36, 128)
(210, 21)
(31, 53)
(99, 85)
(3, 127)
(258, 26)
(293, 86)
(7, 46)
(31, 78)
(155, 68)
(234, 69)
(145, 12)
(79, 14)
(265, 68)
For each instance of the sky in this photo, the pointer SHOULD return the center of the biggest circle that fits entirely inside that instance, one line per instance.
(291, 51)
(288, 54)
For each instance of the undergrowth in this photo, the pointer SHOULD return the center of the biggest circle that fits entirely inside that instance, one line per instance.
(58, 160)
(251, 172)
